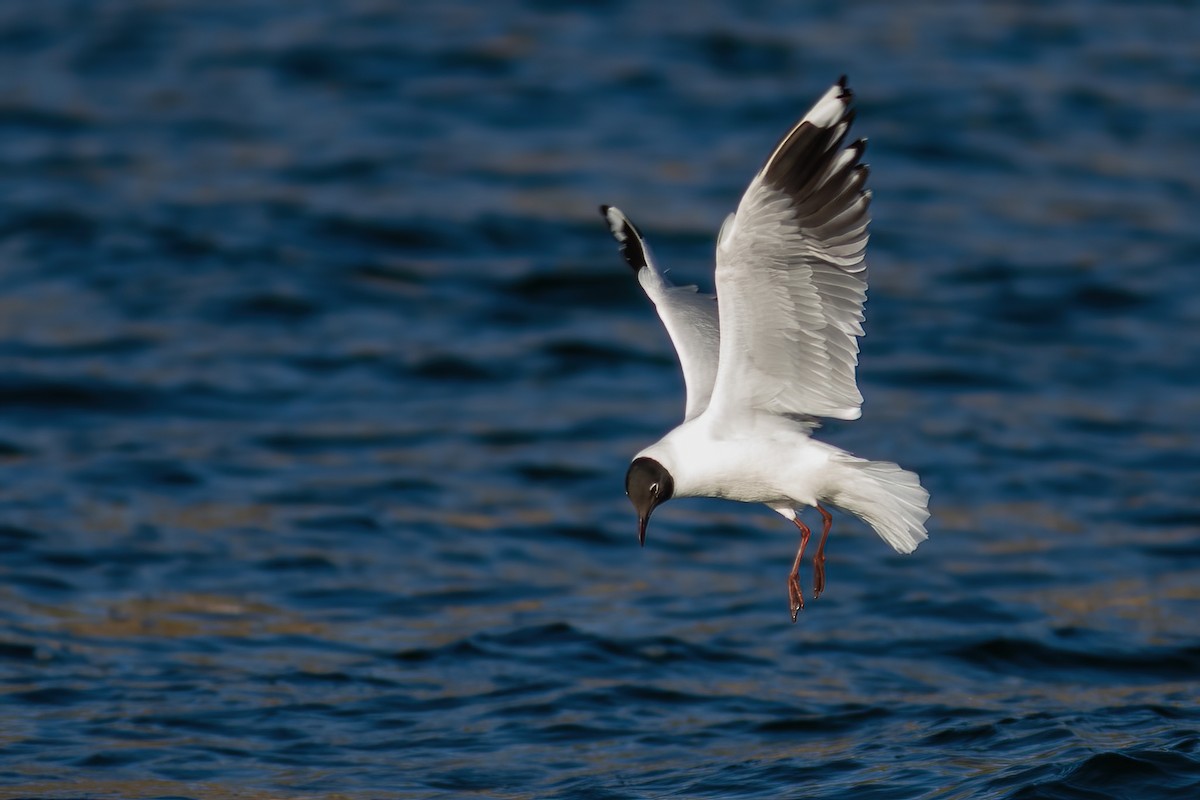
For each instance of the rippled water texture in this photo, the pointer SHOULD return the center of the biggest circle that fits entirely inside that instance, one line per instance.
(319, 376)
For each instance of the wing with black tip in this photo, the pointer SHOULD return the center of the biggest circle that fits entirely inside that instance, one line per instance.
(689, 316)
(791, 274)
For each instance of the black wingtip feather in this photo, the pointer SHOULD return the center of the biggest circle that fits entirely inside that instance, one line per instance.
(627, 236)
(802, 167)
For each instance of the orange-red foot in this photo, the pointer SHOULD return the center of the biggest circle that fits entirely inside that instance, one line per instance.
(795, 596)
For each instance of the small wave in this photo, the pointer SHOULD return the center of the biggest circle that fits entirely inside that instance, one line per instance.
(1131, 773)
(1034, 658)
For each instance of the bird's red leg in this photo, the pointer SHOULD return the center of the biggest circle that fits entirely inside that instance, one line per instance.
(819, 558)
(795, 596)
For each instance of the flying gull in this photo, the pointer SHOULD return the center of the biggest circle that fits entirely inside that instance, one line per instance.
(777, 349)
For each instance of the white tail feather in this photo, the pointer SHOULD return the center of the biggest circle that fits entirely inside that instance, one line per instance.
(889, 499)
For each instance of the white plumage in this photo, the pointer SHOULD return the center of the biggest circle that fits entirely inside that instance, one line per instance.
(779, 350)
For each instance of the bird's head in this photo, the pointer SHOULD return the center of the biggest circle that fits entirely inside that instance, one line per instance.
(648, 485)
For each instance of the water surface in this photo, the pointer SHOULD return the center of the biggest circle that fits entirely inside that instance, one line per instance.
(319, 376)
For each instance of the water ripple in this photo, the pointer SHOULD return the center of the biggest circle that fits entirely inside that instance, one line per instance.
(321, 375)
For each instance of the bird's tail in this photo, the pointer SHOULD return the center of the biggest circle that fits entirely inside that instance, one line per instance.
(889, 499)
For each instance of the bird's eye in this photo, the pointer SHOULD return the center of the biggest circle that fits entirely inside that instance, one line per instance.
(654, 488)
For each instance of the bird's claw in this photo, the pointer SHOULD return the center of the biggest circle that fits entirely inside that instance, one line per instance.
(795, 596)
(818, 575)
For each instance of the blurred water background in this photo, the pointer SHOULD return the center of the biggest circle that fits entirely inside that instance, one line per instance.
(319, 376)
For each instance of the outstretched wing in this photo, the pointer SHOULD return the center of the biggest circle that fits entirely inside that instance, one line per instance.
(689, 317)
(791, 276)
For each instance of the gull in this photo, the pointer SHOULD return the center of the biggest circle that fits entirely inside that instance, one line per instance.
(776, 350)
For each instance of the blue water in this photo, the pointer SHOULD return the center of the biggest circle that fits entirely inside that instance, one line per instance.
(319, 376)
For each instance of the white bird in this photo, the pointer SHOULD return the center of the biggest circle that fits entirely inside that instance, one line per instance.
(777, 349)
